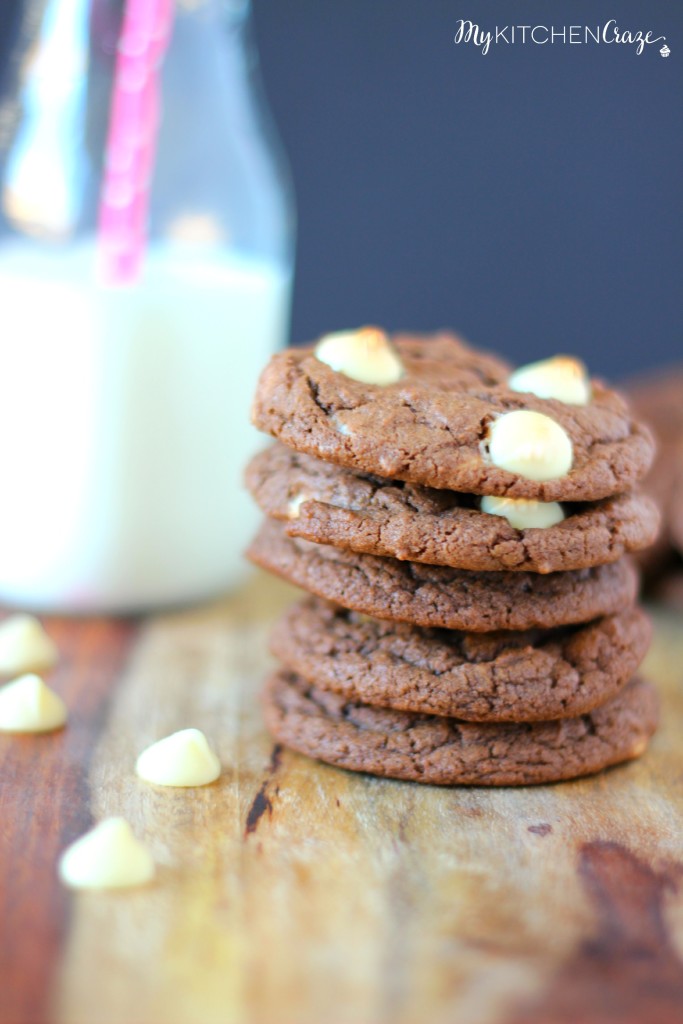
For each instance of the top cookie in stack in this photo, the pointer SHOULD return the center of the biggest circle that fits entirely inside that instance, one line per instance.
(421, 482)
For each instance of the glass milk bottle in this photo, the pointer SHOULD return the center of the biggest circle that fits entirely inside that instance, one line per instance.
(146, 233)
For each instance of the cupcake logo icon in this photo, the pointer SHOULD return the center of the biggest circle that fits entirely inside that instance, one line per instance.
(665, 51)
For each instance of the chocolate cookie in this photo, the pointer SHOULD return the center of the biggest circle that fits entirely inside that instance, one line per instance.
(446, 751)
(430, 428)
(676, 508)
(434, 595)
(330, 504)
(658, 399)
(478, 677)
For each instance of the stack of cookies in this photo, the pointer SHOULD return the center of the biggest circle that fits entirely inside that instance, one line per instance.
(463, 532)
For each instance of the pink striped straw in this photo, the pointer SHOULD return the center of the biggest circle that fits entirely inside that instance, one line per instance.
(131, 140)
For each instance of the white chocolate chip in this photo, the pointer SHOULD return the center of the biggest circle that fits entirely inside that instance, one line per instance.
(523, 514)
(107, 857)
(182, 759)
(28, 705)
(530, 444)
(294, 504)
(366, 355)
(561, 377)
(639, 747)
(25, 646)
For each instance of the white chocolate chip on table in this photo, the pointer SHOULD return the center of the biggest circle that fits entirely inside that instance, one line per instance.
(182, 759)
(561, 377)
(28, 705)
(366, 355)
(107, 857)
(524, 514)
(25, 646)
(530, 444)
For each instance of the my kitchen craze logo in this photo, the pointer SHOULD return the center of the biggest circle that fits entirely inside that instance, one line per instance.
(567, 35)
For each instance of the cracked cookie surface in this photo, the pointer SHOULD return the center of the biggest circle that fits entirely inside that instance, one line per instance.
(446, 751)
(330, 504)
(430, 427)
(434, 595)
(495, 677)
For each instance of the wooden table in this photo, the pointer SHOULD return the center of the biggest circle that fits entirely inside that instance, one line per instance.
(294, 893)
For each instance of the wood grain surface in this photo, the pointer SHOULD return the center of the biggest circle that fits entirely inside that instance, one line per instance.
(290, 892)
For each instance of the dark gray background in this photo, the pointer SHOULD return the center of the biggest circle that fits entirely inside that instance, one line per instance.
(530, 198)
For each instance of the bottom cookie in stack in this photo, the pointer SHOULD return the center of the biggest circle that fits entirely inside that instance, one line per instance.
(448, 751)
